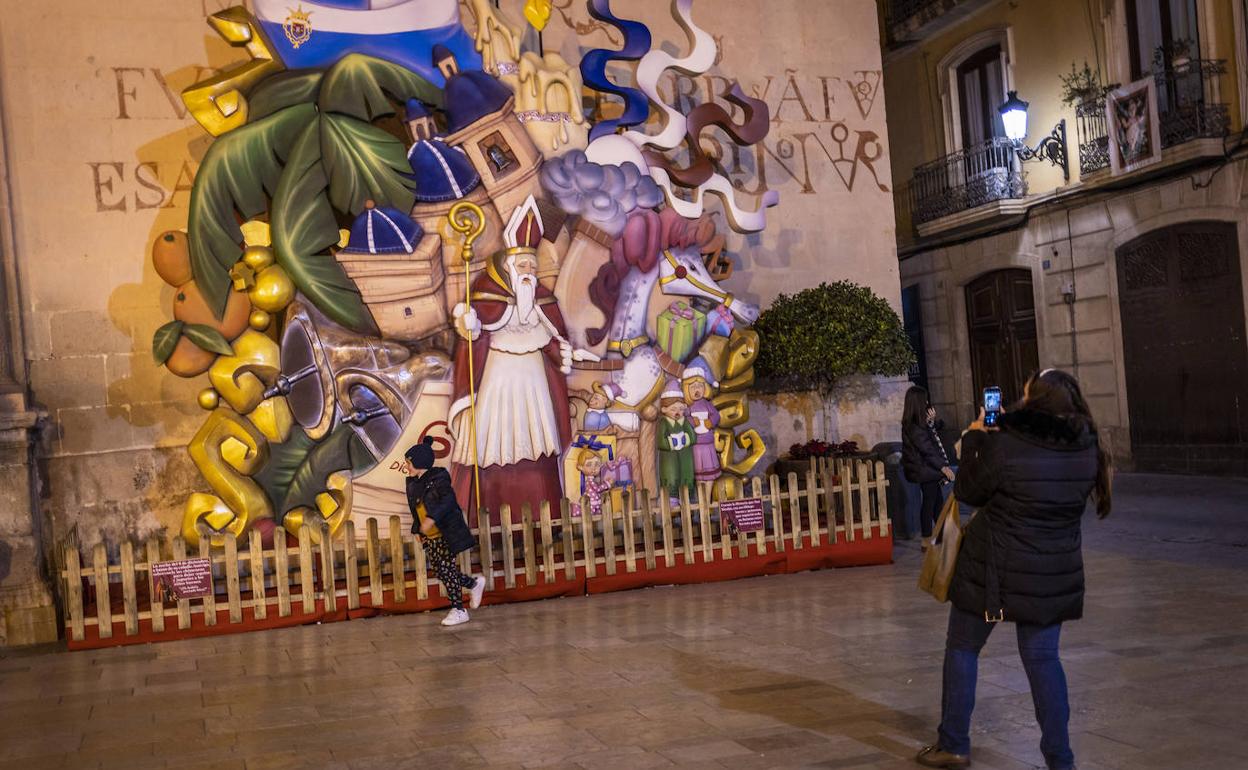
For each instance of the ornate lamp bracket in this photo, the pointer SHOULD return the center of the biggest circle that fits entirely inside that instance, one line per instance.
(1051, 148)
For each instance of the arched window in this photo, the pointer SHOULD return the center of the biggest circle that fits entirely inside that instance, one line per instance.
(974, 77)
(981, 90)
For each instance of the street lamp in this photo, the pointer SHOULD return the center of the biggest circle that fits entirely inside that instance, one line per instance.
(1051, 148)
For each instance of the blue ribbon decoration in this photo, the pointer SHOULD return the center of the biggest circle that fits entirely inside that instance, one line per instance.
(594, 445)
(594, 69)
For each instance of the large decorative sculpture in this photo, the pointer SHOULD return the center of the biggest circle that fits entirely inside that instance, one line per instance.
(432, 246)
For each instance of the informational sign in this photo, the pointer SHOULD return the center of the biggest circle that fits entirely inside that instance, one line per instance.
(185, 579)
(744, 515)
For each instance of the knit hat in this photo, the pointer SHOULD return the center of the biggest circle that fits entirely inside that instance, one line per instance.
(671, 393)
(609, 389)
(700, 367)
(421, 455)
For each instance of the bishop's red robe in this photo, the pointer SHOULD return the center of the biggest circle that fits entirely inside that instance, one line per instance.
(526, 481)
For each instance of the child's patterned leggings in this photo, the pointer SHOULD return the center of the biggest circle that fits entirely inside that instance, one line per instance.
(444, 566)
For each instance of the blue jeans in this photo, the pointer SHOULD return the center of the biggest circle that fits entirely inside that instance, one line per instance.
(1037, 646)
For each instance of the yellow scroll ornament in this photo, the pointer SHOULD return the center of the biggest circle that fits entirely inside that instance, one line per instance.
(333, 508)
(227, 450)
(218, 103)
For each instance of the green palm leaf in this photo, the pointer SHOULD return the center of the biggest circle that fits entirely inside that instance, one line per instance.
(238, 171)
(341, 450)
(304, 228)
(363, 162)
(363, 87)
(285, 89)
(284, 461)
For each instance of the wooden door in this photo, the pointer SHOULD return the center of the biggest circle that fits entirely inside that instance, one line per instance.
(1001, 316)
(1184, 350)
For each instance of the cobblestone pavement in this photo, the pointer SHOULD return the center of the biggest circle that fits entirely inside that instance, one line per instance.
(833, 669)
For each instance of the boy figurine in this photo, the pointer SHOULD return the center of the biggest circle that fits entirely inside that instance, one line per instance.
(439, 523)
(675, 440)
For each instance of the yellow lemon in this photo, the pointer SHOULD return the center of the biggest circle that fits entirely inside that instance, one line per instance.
(273, 290)
(258, 257)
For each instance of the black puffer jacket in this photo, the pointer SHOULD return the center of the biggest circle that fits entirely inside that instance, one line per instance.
(1031, 483)
(922, 455)
(434, 489)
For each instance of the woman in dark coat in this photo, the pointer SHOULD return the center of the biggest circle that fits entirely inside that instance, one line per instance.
(923, 458)
(1021, 559)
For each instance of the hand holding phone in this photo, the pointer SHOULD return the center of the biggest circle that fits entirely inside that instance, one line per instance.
(992, 406)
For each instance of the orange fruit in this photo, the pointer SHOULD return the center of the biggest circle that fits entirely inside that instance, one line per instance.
(189, 359)
(190, 307)
(171, 256)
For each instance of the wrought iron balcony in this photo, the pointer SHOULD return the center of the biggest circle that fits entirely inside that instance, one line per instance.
(1185, 106)
(965, 180)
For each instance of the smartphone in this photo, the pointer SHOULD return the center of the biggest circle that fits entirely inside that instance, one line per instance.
(992, 406)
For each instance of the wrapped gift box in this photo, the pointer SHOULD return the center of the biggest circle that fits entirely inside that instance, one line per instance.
(680, 328)
(720, 322)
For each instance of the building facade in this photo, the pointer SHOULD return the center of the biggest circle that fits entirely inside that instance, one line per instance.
(1131, 278)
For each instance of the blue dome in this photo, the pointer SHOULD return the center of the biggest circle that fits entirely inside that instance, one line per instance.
(442, 173)
(470, 96)
(416, 109)
(383, 230)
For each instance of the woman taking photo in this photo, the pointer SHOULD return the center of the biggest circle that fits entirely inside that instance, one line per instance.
(923, 458)
(1021, 559)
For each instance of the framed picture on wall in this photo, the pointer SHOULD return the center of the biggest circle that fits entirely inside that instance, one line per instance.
(1132, 123)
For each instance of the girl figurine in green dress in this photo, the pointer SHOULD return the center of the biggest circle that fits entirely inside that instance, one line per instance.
(675, 440)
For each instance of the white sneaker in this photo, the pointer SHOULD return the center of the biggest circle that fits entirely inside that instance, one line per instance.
(478, 590)
(455, 618)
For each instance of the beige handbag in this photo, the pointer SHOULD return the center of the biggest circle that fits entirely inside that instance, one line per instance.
(942, 552)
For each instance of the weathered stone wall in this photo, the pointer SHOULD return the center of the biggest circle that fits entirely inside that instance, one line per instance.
(103, 155)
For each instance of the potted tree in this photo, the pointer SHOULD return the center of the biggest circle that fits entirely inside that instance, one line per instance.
(812, 340)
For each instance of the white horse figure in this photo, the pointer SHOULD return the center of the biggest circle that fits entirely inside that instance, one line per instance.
(681, 273)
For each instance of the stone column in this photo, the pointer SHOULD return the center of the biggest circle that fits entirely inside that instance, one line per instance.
(27, 609)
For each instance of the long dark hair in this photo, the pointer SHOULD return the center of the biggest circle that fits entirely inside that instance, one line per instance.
(915, 410)
(1057, 393)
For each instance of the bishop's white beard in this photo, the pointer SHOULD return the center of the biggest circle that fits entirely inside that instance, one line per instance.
(526, 295)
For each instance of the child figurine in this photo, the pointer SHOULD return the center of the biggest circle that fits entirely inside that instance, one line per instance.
(439, 522)
(593, 486)
(675, 441)
(705, 419)
(596, 418)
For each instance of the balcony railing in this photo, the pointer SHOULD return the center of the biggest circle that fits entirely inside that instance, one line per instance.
(966, 179)
(1185, 106)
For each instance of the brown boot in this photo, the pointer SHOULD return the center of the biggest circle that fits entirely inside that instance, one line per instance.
(934, 756)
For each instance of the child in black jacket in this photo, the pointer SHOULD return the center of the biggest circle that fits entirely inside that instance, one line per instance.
(439, 522)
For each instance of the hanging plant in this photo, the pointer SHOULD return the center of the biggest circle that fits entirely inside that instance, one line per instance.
(1080, 85)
